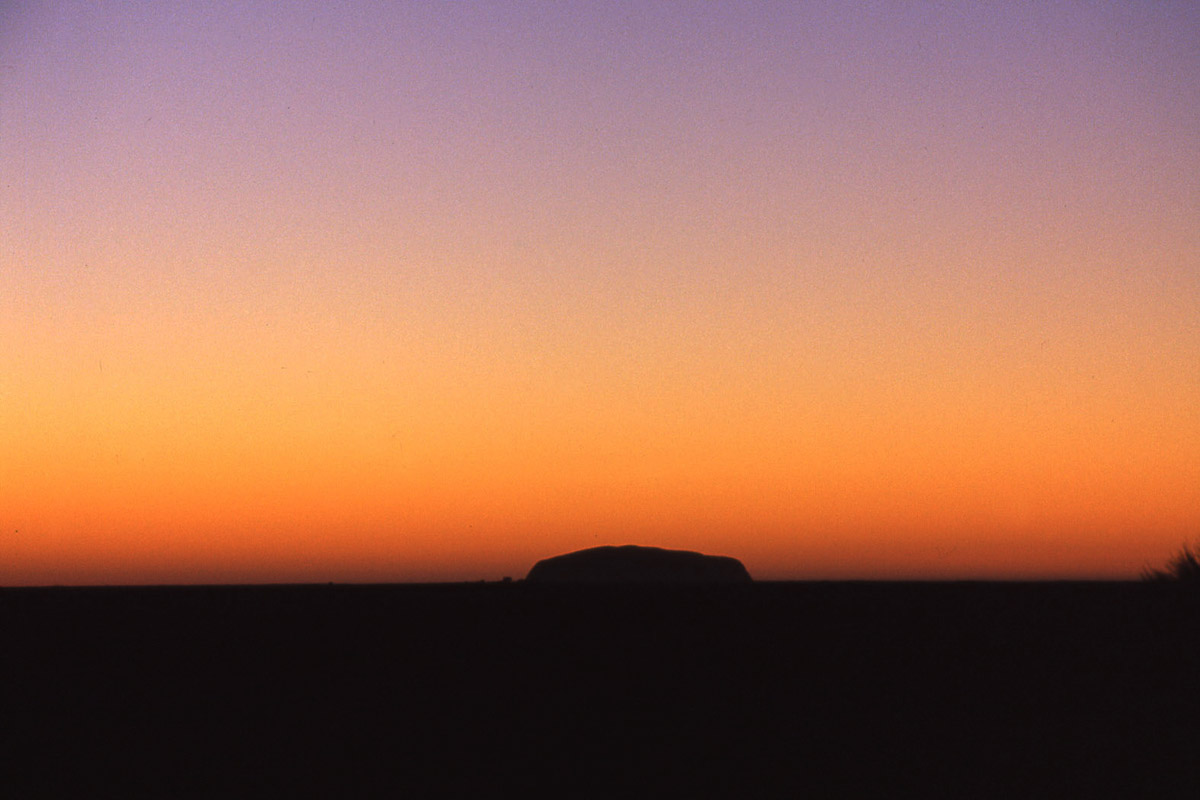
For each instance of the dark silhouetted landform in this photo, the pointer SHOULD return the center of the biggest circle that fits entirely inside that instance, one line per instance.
(820, 689)
(637, 564)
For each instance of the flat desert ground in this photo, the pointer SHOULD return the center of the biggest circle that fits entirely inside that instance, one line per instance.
(1051, 689)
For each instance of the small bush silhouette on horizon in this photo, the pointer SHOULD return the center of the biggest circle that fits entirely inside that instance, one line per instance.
(1184, 567)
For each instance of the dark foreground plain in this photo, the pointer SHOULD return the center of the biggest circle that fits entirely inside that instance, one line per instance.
(847, 689)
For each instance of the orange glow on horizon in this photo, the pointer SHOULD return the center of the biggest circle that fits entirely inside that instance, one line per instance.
(433, 297)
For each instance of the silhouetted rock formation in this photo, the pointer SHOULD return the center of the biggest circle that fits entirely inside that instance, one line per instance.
(634, 564)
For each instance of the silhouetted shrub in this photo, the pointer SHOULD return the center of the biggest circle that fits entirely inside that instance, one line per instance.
(1183, 567)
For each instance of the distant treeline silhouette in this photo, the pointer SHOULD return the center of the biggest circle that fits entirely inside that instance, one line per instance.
(1184, 567)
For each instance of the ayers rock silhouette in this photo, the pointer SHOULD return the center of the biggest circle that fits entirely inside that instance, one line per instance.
(634, 564)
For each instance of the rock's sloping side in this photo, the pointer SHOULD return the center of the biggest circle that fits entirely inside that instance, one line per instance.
(634, 564)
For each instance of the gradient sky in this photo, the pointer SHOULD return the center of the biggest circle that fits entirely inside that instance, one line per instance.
(320, 291)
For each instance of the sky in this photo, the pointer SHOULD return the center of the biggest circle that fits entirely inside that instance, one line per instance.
(353, 291)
